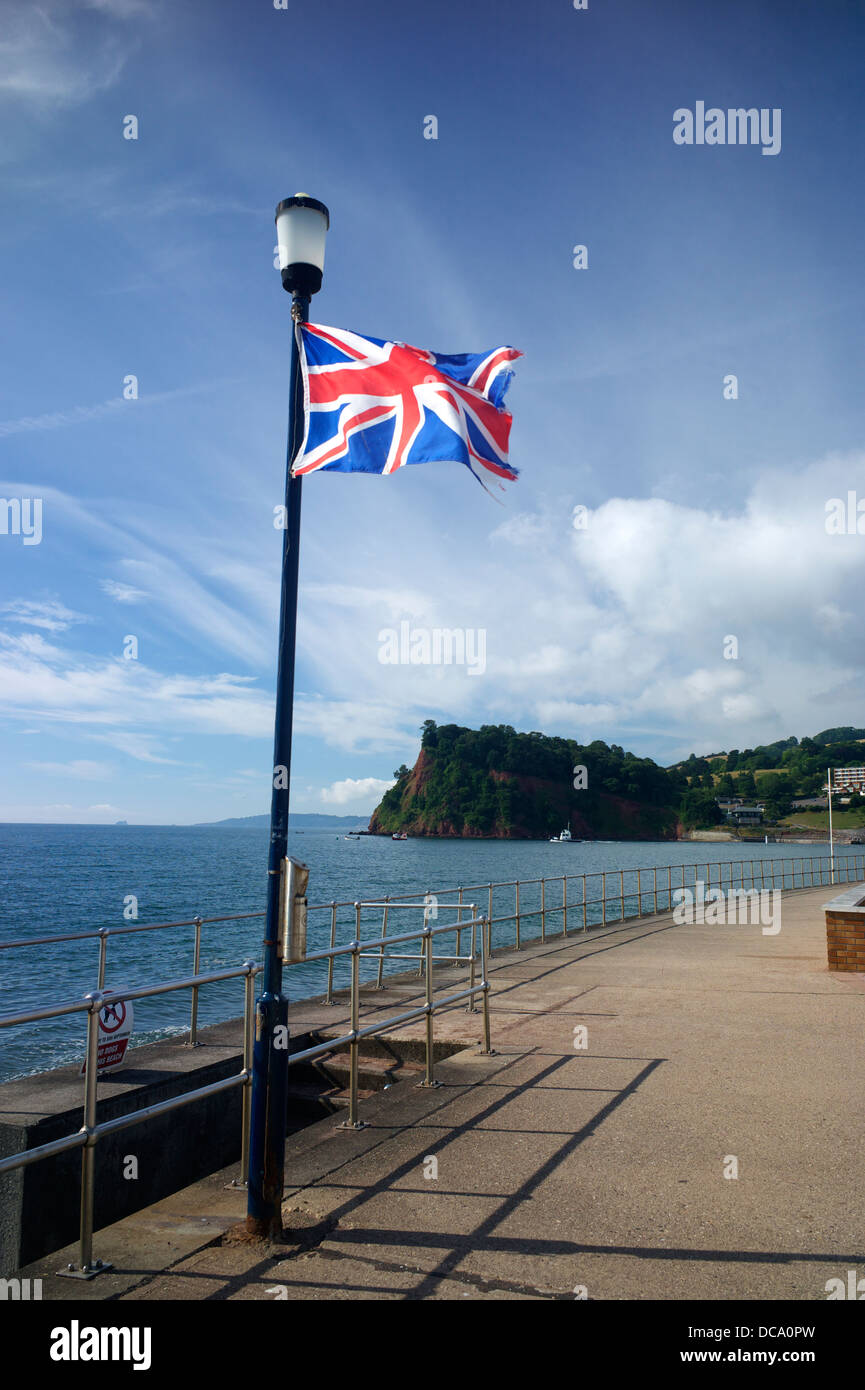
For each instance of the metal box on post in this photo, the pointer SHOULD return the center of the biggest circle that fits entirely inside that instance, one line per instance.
(292, 910)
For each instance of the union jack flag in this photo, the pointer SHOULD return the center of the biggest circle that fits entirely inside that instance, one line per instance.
(372, 406)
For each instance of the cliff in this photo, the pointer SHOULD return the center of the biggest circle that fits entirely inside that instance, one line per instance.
(496, 783)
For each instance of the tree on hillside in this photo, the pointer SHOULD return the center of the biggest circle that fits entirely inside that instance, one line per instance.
(776, 792)
(699, 809)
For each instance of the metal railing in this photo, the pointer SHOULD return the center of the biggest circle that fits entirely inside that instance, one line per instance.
(609, 895)
(358, 949)
(563, 901)
(547, 898)
(101, 934)
(88, 1136)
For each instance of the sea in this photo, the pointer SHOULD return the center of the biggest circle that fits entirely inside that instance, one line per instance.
(61, 879)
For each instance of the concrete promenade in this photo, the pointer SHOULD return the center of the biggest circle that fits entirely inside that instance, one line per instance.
(561, 1168)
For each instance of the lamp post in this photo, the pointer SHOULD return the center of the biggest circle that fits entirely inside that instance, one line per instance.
(301, 227)
(831, 838)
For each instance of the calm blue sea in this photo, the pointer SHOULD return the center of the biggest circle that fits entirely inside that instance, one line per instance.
(66, 878)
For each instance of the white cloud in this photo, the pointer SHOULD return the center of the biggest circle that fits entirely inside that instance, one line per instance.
(123, 593)
(49, 614)
(357, 725)
(46, 61)
(121, 9)
(57, 419)
(524, 529)
(143, 747)
(36, 677)
(83, 769)
(614, 632)
(356, 790)
(616, 628)
(84, 414)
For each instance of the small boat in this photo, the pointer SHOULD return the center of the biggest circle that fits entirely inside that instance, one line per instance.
(564, 838)
(403, 836)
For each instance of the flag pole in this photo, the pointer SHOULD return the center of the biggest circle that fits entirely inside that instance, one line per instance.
(300, 221)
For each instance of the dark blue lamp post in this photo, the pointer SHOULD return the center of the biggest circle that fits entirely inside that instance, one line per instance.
(301, 226)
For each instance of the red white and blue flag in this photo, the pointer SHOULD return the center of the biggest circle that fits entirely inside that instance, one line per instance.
(372, 406)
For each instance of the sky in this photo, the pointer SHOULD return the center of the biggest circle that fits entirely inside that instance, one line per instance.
(688, 405)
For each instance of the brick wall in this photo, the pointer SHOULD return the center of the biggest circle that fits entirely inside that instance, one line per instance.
(845, 940)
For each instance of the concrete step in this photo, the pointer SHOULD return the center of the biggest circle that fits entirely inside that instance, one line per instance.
(308, 1100)
(407, 1051)
(374, 1073)
(342, 1099)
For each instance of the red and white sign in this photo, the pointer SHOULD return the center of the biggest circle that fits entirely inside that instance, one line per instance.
(115, 1029)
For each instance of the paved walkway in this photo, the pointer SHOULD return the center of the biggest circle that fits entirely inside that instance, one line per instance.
(560, 1167)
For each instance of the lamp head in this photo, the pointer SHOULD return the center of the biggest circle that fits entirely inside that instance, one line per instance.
(301, 229)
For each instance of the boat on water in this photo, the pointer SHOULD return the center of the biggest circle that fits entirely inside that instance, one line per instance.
(563, 838)
(403, 836)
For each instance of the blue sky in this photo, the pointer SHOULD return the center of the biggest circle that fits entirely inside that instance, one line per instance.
(154, 258)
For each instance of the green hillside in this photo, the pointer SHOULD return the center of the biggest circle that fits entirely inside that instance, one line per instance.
(495, 782)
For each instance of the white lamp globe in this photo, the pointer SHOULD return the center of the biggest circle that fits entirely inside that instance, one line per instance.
(301, 229)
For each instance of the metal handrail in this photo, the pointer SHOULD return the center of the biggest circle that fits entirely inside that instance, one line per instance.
(357, 949)
(721, 870)
(87, 1137)
(395, 900)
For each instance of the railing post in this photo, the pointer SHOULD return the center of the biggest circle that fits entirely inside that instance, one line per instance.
(196, 962)
(655, 871)
(88, 1154)
(88, 1268)
(604, 899)
(543, 909)
(585, 919)
(248, 1045)
(517, 942)
(379, 975)
(485, 932)
(622, 891)
(472, 1007)
(420, 964)
(564, 904)
(429, 1079)
(103, 949)
(353, 1122)
(329, 996)
(459, 919)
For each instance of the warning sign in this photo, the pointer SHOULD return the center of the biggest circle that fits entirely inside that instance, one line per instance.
(115, 1029)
